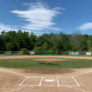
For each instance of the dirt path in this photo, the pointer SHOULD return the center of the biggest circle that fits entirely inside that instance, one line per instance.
(46, 56)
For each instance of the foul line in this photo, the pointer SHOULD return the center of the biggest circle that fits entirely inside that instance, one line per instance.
(82, 73)
(14, 73)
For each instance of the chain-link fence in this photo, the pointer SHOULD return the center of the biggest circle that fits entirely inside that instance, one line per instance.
(70, 53)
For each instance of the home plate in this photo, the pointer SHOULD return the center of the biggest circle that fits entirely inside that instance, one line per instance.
(49, 82)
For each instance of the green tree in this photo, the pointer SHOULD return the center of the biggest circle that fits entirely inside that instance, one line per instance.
(32, 41)
(9, 46)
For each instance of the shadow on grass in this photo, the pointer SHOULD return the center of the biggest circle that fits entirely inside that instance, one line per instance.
(49, 64)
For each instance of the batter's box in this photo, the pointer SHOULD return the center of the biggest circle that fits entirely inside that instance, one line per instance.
(31, 81)
(67, 81)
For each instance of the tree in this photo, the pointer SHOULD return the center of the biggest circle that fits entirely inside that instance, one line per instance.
(2, 43)
(90, 43)
(22, 40)
(32, 41)
(9, 46)
(83, 43)
(15, 41)
(76, 40)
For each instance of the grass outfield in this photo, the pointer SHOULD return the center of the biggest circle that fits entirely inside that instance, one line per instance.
(29, 63)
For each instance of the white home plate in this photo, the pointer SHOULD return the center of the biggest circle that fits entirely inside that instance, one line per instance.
(49, 80)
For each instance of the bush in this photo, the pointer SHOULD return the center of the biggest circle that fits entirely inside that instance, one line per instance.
(38, 49)
(24, 51)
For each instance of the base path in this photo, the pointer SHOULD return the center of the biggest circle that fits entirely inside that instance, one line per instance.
(45, 56)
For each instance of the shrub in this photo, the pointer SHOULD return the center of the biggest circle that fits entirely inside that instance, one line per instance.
(24, 51)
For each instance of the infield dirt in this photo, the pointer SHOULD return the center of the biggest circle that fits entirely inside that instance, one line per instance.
(63, 80)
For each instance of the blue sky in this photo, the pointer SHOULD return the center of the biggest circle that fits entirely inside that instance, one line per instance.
(41, 16)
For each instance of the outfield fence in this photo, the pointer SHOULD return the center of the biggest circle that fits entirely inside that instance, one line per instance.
(71, 53)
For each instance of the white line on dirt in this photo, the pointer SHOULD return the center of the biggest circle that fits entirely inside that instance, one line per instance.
(42, 78)
(14, 90)
(14, 73)
(21, 84)
(58, 84)
(77, 84)
(80, 89)
(82, 74)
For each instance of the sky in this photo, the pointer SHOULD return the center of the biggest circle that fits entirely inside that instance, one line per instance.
(46, 16)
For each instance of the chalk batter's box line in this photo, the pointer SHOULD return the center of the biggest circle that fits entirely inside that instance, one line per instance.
(42, 79)
(35, 77)
(72, 77)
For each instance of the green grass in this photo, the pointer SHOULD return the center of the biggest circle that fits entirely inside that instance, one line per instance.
(28, 63)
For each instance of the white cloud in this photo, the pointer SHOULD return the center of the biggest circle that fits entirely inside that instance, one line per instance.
(4, 27)
(85, 26)
(39, 16)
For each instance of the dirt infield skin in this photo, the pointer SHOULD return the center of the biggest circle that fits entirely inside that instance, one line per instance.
(48, 59)
(20, 80)
(45, 56)
(13, 80)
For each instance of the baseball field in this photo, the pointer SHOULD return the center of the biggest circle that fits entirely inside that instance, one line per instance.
(45, 73)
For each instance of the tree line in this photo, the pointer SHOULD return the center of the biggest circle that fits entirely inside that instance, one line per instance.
(16, 41)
